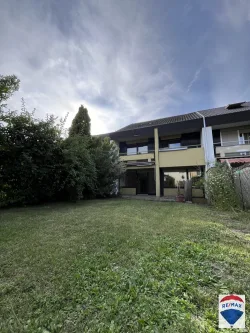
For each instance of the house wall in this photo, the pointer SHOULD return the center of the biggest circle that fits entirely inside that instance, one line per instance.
(172, 192)
(182, 158)
(197, 192)
(128, 191)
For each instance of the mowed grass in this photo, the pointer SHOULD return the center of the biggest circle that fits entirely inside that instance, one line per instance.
(120, 266)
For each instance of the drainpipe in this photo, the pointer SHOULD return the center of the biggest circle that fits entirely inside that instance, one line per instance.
(205, 136)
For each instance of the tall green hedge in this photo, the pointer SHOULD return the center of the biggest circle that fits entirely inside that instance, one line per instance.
(220, 187)
(38, 165)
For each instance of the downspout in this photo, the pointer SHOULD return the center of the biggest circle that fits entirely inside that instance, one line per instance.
(204, 126)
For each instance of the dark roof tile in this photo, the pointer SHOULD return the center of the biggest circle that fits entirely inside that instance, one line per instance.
(185, 117)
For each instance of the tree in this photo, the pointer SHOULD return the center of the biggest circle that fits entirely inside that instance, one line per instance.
(8, 85)
(38, 165)
(109, 168)
(79, 171)
(30, 158)
(81, 123)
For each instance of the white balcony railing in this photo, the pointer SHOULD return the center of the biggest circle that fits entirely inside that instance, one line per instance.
(232, 149)
(231, 143)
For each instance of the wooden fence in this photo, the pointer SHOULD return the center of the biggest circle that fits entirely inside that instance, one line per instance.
(242, 183)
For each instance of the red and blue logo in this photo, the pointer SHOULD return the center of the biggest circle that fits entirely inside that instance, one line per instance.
(231, 311)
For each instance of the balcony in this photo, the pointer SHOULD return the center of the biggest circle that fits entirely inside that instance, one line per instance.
(137, 154)
(233, 149)
(181, 156)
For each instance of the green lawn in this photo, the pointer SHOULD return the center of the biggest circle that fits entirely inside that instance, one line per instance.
(120, 266)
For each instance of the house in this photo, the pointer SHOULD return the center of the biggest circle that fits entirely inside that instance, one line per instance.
(161, 154)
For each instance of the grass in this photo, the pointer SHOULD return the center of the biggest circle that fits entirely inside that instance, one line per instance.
(120, 266)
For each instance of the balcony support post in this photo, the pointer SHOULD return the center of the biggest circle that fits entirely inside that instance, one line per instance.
(157, 165)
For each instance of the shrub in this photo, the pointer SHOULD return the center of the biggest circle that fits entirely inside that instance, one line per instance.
(220, 187)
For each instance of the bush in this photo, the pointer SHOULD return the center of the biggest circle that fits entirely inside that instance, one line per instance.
(30, 158)
(78, 169)
(38, 165)
(220, 187)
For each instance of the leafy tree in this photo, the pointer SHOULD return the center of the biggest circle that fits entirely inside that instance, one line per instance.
(30, 158)
(81, 123)
(8, 85)
(108, 166)
(37, 164)
(79, 171)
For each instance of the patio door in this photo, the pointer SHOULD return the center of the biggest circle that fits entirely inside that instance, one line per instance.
(142, 182)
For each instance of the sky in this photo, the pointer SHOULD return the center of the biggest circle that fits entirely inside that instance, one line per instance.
(125, 60)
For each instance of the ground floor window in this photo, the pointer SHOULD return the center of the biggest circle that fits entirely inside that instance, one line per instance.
(174, 178)
(142, 180)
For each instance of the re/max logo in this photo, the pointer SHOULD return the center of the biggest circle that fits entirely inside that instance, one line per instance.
(228, 305)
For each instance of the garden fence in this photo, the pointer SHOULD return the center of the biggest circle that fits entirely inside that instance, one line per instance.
(242, 183)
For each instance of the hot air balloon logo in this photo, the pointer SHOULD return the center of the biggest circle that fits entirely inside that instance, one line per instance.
(231, 311)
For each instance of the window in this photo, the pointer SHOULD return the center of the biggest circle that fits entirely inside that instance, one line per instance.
(174, 179)
(244, 138)
(174, 145)
(132, 151)
(143, 150)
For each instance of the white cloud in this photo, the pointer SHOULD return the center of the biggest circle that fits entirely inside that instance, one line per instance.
(194, 79)
(126, 61)
(234, 12)
(110, 53)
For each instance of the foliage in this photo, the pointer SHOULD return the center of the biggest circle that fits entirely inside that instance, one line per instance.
(119, 266)
(198, 182)
(30, 157)
(8, 85)
(169, 181)
(108, 166)
(81, 123)
(38, 165)
(79, 169)
(220, 187)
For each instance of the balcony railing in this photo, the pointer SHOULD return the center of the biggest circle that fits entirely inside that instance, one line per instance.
(232, 149)
(179, 148)
(231, 143)
(137, 153)
(162, 149)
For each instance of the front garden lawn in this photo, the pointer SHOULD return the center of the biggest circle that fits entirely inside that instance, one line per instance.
(120, 266)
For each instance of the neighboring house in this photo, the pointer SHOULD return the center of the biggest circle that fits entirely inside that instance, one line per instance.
(161, 154)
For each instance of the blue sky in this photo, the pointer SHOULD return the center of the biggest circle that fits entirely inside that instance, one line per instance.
(127, 61)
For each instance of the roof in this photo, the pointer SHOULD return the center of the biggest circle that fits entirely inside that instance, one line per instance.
(237, 160)
(188, 116)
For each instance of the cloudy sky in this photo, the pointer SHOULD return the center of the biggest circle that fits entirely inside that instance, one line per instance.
(127, 61)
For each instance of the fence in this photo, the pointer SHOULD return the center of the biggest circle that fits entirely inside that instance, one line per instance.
(242, 183)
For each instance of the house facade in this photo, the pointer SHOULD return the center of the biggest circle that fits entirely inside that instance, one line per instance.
(161, 154)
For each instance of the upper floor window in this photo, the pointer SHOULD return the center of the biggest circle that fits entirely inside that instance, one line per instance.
(143, 150)
(244, 138)
(174, 145)
(132, 151)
